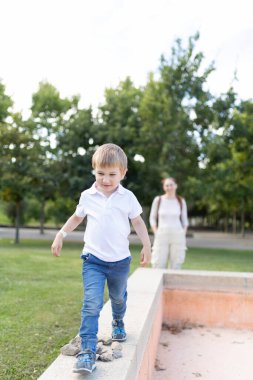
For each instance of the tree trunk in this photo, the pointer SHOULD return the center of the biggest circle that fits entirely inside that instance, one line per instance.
(234, 222)
(243, 223)
(42, 218)
(226, 223)
(17, 223)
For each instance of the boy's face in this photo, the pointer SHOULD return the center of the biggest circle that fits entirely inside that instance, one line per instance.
(108, 178)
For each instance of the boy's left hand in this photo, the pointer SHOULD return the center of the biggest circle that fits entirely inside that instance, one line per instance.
(145, 256)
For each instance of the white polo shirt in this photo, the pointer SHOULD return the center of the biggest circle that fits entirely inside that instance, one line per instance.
(108, 227)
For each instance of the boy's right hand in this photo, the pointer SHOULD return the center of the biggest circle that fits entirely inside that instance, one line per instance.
(145, 256)
(56, 247)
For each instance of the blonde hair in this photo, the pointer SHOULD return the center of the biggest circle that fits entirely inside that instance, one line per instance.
(109, 155)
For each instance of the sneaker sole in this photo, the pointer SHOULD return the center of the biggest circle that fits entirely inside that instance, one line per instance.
(118, 340)
(83, 370)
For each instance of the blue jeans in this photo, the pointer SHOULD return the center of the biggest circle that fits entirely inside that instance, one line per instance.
(95, 272)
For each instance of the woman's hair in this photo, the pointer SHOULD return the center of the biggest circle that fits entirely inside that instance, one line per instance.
(109, 155)
(170, 178)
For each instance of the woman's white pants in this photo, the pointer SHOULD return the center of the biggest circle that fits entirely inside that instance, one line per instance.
(169, 248)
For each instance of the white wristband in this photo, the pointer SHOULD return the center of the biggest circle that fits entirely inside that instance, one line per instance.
(64, 233)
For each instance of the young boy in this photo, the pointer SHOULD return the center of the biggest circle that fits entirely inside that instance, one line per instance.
(108, 207)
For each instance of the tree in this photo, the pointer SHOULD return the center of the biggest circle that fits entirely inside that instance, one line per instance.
(76, 145)
(119, 122)
(49, 115)
(241, 147)
(169, 134)
(5, 104)
(227, 159)
(17, 163)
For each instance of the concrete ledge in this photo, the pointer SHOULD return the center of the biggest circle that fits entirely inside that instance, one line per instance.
(143, 324)
(209, 280)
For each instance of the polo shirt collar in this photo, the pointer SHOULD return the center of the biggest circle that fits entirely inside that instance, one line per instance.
(94, 190)
(121, 189)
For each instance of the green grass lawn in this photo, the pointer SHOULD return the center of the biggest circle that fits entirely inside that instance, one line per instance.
(41, 299)
(219, 260)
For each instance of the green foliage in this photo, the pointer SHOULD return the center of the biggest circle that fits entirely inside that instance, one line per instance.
(4, 219)
(171, 126)
(46, 102)
(76, 145)
(168, 131)
(18, 157)
(181, 72)
(5, 104)
(11, 212)
(227, 156)
(50, 113)
(119, 122)
(60, 209)
(119, 115)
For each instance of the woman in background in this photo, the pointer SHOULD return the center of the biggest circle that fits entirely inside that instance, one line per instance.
(169, 222)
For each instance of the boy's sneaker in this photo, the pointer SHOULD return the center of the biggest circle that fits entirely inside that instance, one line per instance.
(118, 330)
(85, 362)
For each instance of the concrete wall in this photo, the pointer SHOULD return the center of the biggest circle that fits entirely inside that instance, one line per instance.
(220, 299)
(199, 297)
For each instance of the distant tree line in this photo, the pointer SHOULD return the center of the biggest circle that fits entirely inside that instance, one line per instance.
(171, 126)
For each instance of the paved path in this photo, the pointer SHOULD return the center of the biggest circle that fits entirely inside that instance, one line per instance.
(220, 240)
(199, 239)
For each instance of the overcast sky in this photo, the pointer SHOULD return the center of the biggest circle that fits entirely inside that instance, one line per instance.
(84, 46)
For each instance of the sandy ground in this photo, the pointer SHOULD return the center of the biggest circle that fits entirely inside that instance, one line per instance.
(206, 354)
